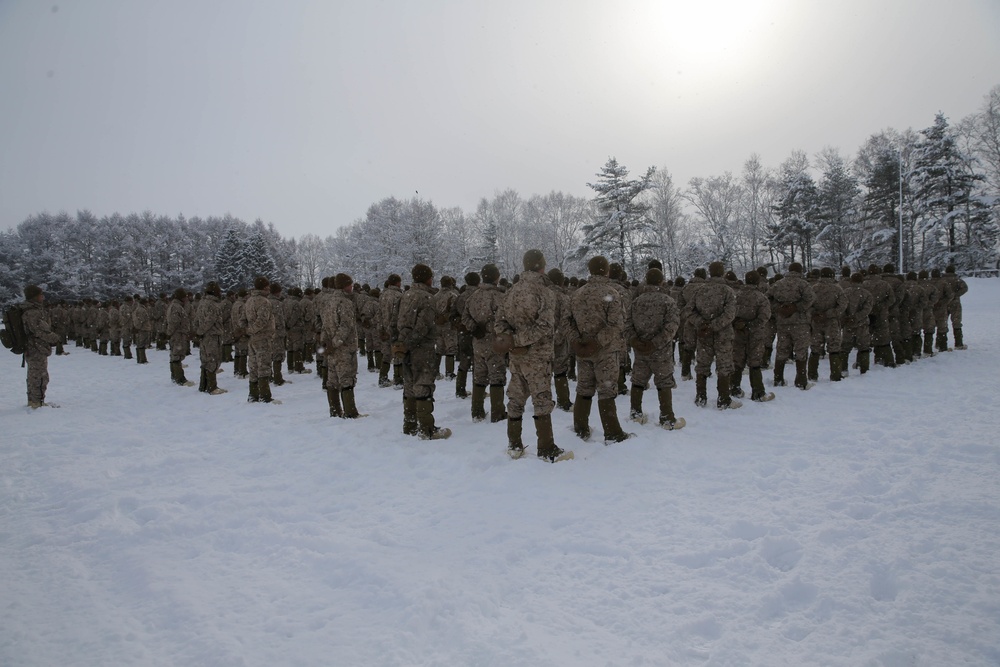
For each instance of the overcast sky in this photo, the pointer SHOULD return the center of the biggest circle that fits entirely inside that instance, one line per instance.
(305, 113)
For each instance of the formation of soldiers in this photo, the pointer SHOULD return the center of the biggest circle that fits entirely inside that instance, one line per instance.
(520, 339)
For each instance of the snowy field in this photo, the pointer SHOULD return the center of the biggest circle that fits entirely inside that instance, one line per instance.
(854, 524)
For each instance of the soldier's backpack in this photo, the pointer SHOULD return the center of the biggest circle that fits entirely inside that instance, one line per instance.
(13, 336)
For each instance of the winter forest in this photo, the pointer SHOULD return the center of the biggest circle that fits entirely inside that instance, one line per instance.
(939, 185)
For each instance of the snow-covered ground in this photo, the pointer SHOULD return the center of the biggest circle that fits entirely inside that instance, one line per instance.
(854, 524)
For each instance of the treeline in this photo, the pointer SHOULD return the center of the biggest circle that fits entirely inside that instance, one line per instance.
(936, 191)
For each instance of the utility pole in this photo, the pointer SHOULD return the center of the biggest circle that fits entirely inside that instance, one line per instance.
(901, 269)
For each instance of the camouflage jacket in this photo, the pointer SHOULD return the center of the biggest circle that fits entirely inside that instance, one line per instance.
(753, 310)
(140, 318)
(41, 338)
(831, 302)
(859, 305)
(178, 321)
(792, 299)
(596, 313)
(528, 312)
(340, 325)
(208, 317)
(479, 316)
(278, 307)
(388, 308)
(258, 317)
(713, 305)
(415, 326)
(883, 297)
(653, 317)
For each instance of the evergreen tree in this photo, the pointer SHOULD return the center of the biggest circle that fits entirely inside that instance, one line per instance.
(796, 210)
(621, 216)
(229, 269)
(839, 235)
(256, 257)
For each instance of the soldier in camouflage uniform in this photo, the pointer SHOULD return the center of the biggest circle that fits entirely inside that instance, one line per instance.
(827, 312)
(900, 345)
(60, 325)
(340, 344)
(912, 321)
(295, 325)
(618, 278)
(115, 328)
(142, 327)
(241, 341)
(447, 344)
(367, 308)
(597, 327)
(560, 340)
(179, 331)
(375, 327)
(158, 316)
(650, 328)
(388, 304)
(417, 334)
(946, 292)
(257, 320)
(41, 338)
(128, 330)
(856, 329)
(792, 299)
(932, 292)
(489, 369)
(525, 327)
(465, 351)
(750, 327)
(209, 329)
(689, 335)
(959, 288)
(710, 314)
(227, 326)
(101, 328)
(280, 336)
(883, 299)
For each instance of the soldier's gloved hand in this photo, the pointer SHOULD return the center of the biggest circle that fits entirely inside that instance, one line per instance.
(705, 331)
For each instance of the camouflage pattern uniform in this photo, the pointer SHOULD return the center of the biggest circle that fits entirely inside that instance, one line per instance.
(101, 327)
(143, 328)
(158, 317)
(933, 293)
(883, 298)
(388, 305)
(295, 324)
(128, 330)
(209, 328)
(115, 329)
(711, 313)
(899, 343)
(178, 329)
(241, 341)
(688, 334)
(856, 330)
(597, 328)
(488, 367)
(41, 338)
(791, 300)
(447, 343)
(417, 333)
(340, 341)
(279, 337)
(946, 290)
(560, 345)
(750, 330)
(650, 328)
(959, 288)
(368, 314)
(912, 321)
(258, 322)
(827, 335)
(465, 351)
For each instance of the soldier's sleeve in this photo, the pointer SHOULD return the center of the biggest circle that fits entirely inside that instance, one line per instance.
(728, 312)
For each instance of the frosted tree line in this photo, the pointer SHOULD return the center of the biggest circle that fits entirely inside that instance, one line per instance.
(940, 185)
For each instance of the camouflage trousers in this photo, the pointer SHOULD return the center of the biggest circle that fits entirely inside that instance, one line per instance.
(826, 335)
(718, 347)
(488, 367)
(929, 321)
(341, 366)
(792, 338)
(142, 339)
(856, 335)
(447, 343)
(296, 340)
(210, 352)
(910, 325)
(242, 346)
(748, 347)
(419, 372)
(38, 376)
(278, 348)
(259, 357)
(560, 356)
(530, 377)
(180, 347)
(126, 336)
(598, 375)
(465, 351)
(881, 334)
(955, 313)
(941, 319)
(659, 365)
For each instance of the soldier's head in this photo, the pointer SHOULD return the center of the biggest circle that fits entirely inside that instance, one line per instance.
(950, 268)
(873, 270)
(858, 277)
(342, 281)
(275, 288)
(180, 294)
(826, 272)
(490, 274)
(716, 269)
(700, 272)
(795, 267)
(762, 272)
(752, 278)
(654, 277)
(845, 271)
(923, 275)
(242, 292)
(447, 281)
(598, 266)
(615, 271)
(213, 289)
(731, 277)
(534, 260)
(556, 276)
(394, 279)
(376, 292)
(422, 274)
(655, 264)
(912, 275)
(260, 282)
(472, 279)
(935, 273)
(889, 268)
(32, 293)
(679, 281)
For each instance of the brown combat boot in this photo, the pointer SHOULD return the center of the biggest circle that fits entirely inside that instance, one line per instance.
(478, 402)
(276, 373)
(350, 408)
(515, 446)
(254, 396)
(562, 393)
(425, 421)
(779, 373)
(410, 416)
(836, 360)
(608, 411)
(812, 372)
(333, 400)
(547, 448)
(757, 391)
(959, 341)
(635, 404)
(725, 400)
(801, 374)
(928, 343)
(264, 384)
(864, 361)
(667, 418)
(497, 410)
(461, 378)
(735, 380)
(581, 416)
(701, 391)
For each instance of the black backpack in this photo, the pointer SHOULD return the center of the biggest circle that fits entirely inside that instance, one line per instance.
(13, 336)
